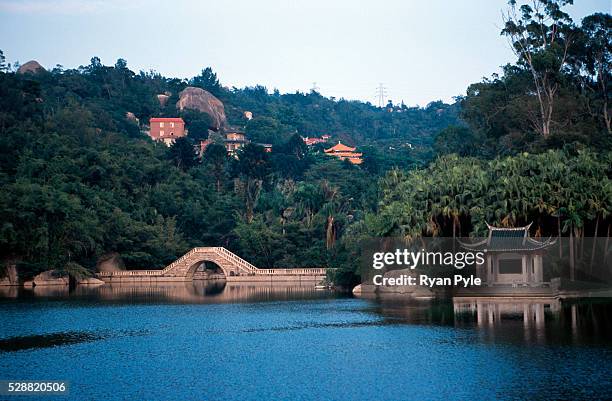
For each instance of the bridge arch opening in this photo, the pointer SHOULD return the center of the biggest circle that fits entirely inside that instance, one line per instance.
(206, 269)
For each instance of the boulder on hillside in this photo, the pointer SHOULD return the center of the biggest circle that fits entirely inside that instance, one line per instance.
(203, 101)
(31, 67)
(110, 262)
(162, 98)
(132, 117)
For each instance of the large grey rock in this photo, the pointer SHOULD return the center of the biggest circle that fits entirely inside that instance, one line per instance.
(31, 67)
(132, 117)
(90, 281)
(198, 99)
(49, 277)
(162, 98)
(110, 262)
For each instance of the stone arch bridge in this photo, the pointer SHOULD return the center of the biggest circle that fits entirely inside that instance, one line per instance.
(233, 266)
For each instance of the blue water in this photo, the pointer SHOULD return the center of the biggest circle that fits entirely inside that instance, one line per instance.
(261, 344)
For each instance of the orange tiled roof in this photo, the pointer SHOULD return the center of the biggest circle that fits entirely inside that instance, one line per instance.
(165, 119)
(346, 154)
(340, 148)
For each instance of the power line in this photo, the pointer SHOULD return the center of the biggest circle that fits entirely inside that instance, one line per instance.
(381, 94)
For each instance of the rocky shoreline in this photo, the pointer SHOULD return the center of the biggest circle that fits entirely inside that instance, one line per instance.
(46, 278)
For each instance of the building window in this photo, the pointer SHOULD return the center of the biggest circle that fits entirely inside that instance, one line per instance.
(161, 133)
(161, 125)
(171, 125)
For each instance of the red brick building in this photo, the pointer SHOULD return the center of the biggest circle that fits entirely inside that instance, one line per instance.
(166, 129)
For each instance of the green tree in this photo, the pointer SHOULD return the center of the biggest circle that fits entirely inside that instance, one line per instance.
(253, 165)
(182, 153)
(265, 130)
(207, 80)
(215, 159)
(3, 66)
(595, 58)
(197, 124)
(541, 34)
(460, 140)
(253, 162)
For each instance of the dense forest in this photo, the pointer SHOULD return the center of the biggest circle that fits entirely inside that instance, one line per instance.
(80, 180)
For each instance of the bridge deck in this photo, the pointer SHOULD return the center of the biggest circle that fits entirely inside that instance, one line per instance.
(300, 271)
(232, 265)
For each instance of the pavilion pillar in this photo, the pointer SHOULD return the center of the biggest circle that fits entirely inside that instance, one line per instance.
(539, 271)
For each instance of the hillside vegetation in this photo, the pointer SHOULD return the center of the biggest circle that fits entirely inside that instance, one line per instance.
(80, 180)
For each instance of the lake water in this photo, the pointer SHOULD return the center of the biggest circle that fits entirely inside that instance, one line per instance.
(198, 341)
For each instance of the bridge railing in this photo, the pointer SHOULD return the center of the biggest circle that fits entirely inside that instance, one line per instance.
(308, 271)
(130, 273)
(219, 251)
(223, 253)
(181, 259)
(236, 259)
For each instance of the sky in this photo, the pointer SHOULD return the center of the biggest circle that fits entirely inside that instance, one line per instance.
(420, 51)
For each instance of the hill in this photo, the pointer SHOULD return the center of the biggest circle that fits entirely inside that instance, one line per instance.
(81, 180)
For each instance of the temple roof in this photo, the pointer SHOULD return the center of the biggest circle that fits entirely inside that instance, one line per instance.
(347, 154)
(501, 239)
(340, 148)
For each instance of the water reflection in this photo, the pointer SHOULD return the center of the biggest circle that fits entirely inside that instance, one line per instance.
(204, 336)
(530, 321)
(494, 312)
(197, 291)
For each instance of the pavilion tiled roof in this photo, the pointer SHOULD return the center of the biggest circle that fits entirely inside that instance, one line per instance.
(347, 154)
(501, 239)
(339, 148)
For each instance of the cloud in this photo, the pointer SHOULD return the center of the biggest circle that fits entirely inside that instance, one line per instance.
(65, 6)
